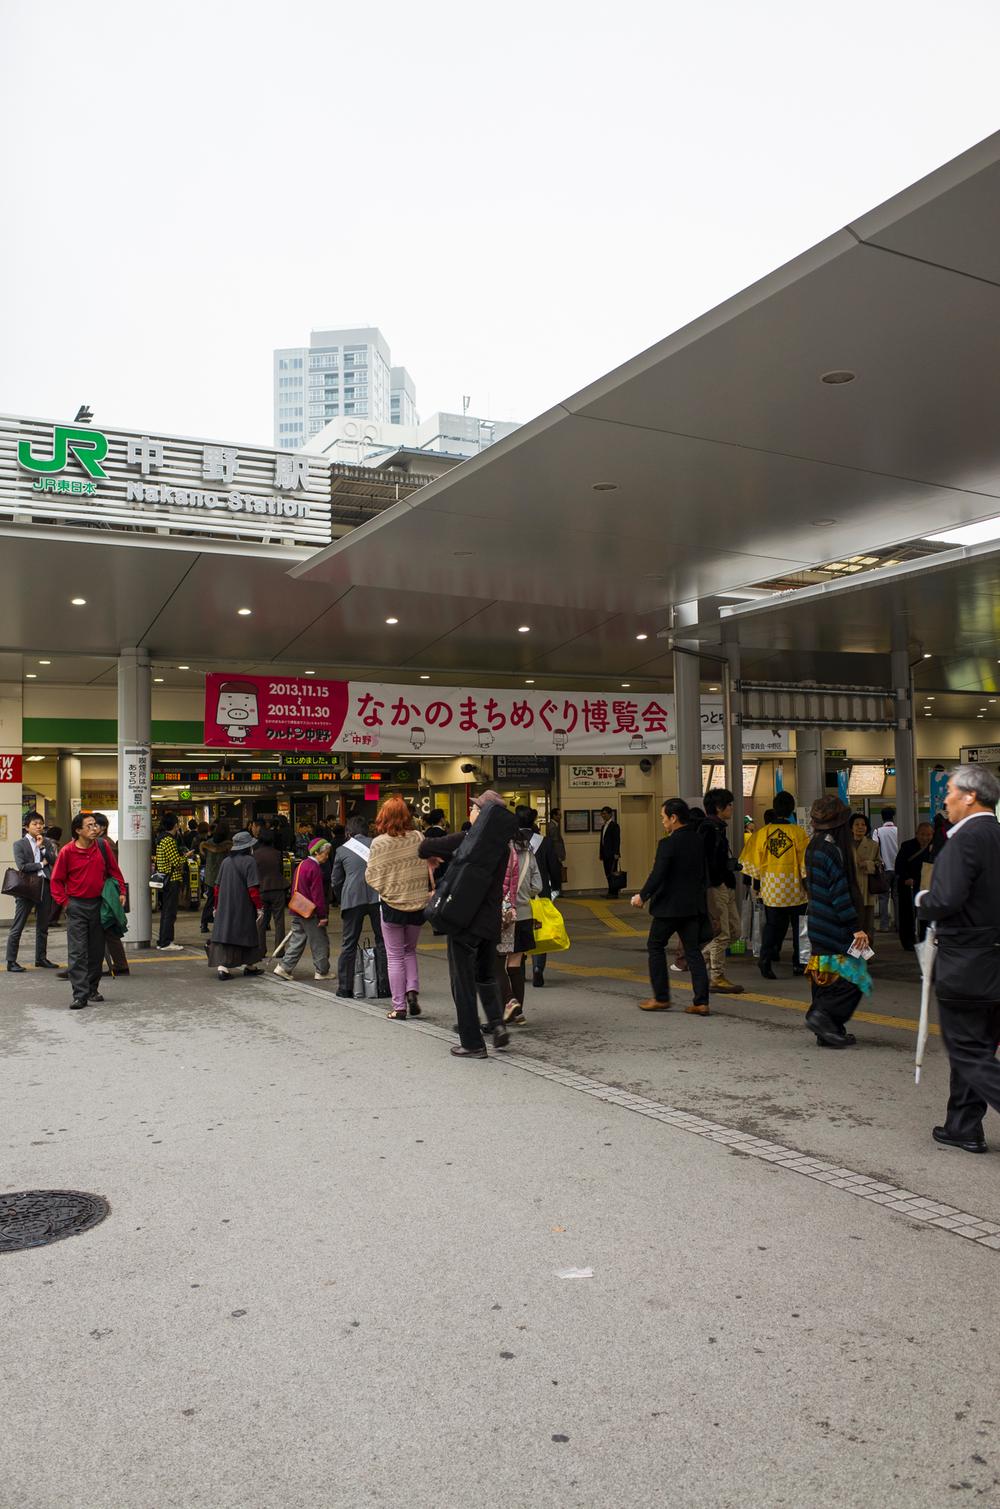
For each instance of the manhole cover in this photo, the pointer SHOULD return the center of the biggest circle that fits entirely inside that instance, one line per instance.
(35, 1217)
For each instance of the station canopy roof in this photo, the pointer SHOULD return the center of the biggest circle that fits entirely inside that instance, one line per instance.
(719, 463)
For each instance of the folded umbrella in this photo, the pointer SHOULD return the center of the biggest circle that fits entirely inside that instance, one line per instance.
(927, 955)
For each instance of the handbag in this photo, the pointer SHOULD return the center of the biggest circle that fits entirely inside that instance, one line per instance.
(371, 972)
(297, 903)
(157, 880)
(618, 879)
(24, 887)
(550, 929)
(879, 883)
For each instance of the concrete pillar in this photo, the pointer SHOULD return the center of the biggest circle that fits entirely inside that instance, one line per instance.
(906, 763)
(10, 787)
(687, 706)
(67, 791)
(810, 774)
(134, 817)
(733, 715)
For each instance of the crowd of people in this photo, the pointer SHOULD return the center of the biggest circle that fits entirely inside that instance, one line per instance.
(831, 887)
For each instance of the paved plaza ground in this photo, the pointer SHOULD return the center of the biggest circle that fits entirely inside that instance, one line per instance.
(334, 1272)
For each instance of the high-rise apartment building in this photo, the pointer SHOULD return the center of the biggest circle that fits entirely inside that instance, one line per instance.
(340, 372)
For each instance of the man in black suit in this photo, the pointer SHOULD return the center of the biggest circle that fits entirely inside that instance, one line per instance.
(611, 848)
(34, 854)
(964, 901)
(677, 892)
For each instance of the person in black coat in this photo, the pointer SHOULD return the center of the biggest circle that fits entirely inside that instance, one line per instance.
(611, 849)
(964, 902)
(472, 948)
(550, 866)
(912, 856)
(677, 892)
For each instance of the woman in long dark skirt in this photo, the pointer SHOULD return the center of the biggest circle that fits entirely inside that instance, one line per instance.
(838, 978)
(238, 907)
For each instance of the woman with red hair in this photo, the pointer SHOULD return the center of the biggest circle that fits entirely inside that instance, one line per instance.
(397, 872)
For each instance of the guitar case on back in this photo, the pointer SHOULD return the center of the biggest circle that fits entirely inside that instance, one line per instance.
(462, 890)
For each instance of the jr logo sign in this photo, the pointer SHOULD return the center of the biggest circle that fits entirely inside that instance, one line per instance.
(88, 446)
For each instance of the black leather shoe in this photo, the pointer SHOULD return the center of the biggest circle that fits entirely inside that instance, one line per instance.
(63, 974)
(413, 1003)
(501, 1037)
(13, 968)
(798, 969)
(538, 981)
(828, 1035)
(95, 995)
(459, 1052)
(45, 964)
(967, 1144)
(768, 972)
(78, 1005)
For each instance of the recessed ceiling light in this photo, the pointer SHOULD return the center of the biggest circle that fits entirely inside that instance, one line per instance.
(991, 699)
(626, 685)
(931, 697)
(530, 681)
(927, 655)
(524, 628)
(928, 715)
(157, 678)
(78, 602)
(822, 523)
(392, 620)
(310, 673)
(183, 667)
(605, 487)
(244, 612)
(463, 552)
(32, 758)
(642, 636)
(30, 676)
(425, 678)
(713, 688)
(44, 662)
(838, 378)
(980, 715)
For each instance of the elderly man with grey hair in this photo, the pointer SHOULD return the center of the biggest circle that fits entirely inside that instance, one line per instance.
(964, 901)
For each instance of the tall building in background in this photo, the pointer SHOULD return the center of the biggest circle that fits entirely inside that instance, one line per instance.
(340, 372)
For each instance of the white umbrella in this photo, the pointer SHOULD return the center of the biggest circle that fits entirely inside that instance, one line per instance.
(927, 954)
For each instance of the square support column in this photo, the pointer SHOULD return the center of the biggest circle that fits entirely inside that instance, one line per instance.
(733, 716)
(906, 763)
(687, 705)
(134, 808)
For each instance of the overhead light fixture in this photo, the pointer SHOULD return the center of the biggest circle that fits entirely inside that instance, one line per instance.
(30, 676)
(605, 487)
(392, 620)
(530, 681)
(78, 602)
(969, 534)
(927, 655)
(626, 685)
(980, 715)
(310, 673)
(183, 667)
(713, 688)
(930, 697)
(244, 612)
(822, 523)
(45, 662)
(425, 678)
(524, 628)
(157, 678)
(837, 378)
(31, 759)
(642, 636)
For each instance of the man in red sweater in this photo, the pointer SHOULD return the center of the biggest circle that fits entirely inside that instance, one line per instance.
(78, 877)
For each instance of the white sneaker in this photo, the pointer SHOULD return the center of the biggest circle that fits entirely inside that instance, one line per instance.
(282, 973)
(169, 948)
(318, 976)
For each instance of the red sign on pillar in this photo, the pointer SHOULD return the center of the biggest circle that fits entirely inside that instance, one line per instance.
(10, 768)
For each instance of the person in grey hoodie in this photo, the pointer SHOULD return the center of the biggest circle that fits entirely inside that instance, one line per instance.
(358, 902)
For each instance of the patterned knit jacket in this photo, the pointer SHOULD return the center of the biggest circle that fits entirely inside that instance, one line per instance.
(833, 917)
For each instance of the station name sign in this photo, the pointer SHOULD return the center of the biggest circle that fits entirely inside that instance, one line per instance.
(81, 475)
(281, 712)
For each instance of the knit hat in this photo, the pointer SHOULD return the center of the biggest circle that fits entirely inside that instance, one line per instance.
(829, 812)
(318, 845)
(488, 799)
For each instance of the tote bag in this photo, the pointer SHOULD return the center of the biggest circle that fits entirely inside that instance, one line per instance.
(550, 929)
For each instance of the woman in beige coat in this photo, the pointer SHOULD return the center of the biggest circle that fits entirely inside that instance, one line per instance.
(866, 858)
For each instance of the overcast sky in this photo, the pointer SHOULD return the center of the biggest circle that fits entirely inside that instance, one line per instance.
(520, 196)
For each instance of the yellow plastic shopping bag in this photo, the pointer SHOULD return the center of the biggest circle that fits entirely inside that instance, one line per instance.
(550, 929)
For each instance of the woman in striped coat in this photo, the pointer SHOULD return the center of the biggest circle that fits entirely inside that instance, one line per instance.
(838, 978)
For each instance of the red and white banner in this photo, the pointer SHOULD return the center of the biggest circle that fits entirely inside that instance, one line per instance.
(280, 712)
(10, 768)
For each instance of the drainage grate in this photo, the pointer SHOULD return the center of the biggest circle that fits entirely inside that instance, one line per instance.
(35, 1217)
